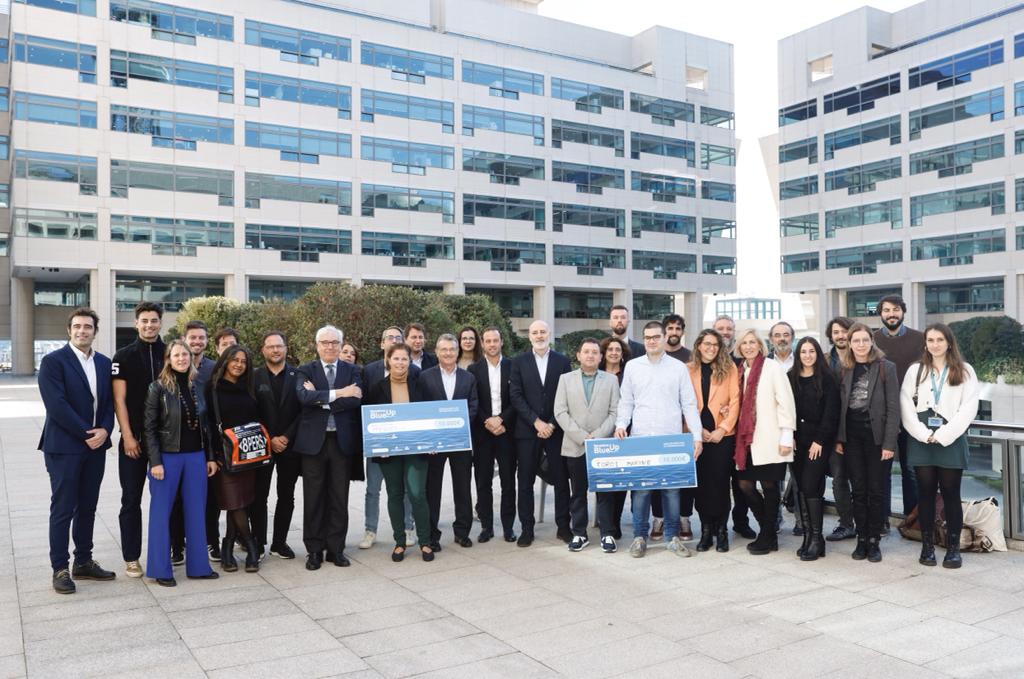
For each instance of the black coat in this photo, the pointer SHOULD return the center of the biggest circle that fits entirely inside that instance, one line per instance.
(236, 407)
(479, 371)
(533, 400)
(817, 418)
(313, 420)
(374, 373)
(281, 418)
(883, 403)
(429, 387)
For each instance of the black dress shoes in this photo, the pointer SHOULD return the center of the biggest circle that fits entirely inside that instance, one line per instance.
(485, 536)
(167, 582)
(90, 570)
(565, 535)
(339, 559)
(283, 551)
(212, 575)
(525, 540)
(744, 531)
(427, 556)
(464, 541)
(510, 537)
(313, 561)
(435, 546)
(62, 583)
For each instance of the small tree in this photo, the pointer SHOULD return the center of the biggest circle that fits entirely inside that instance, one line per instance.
(569, 343)
(994, 345)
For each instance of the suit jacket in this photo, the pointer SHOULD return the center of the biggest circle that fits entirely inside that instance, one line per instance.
(374, 373)
(721, 394)
(479, 371)
(883, 403)
(281, 418)
(579, 419)
(531, 399)
(636, 349)
(313, 421)
(69, 403)
(429, 387)
(429, 360)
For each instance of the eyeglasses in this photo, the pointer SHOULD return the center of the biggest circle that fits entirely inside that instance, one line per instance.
(652, 338)
(393, 338)
(329, 343)
(709, 345)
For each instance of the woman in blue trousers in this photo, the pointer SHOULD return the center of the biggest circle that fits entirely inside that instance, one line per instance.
(178, 457)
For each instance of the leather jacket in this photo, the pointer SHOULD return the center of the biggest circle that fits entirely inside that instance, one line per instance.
(163, 424)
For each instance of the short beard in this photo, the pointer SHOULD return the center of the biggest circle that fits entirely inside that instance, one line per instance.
(674, 341)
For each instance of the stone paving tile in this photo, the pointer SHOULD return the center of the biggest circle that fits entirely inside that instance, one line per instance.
(808, 658)
(408, 636)
(706, 619)
(320, 664)
(503, 604)
(246, 610)
(264, 649)
(70, 607)
(886, 666)
(1010, 624)
(813, 604)
(381, 618)
(1000, 657)
(86, 642)
(917, 590)
(253, 629)
(532, 620)
(213, 597)
(337, 598)
(444, 654)
(928, 640)
(12, 666)
(861, 622)
(973, 605)
(627, 655)
(125, 660)
(589, 634)
(749, 639)
(509, 666)
(690, 665)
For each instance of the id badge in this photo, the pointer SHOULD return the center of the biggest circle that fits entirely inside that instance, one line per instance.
(936, 422)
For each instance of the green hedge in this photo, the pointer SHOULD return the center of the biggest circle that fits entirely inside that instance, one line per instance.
(994, 345)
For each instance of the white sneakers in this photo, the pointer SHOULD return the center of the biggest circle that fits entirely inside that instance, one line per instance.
(678, 547)
(368, 539)
(410, 538)
(578, 543)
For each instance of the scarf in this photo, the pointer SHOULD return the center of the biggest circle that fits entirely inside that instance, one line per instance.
(748, 414)
(399, 388)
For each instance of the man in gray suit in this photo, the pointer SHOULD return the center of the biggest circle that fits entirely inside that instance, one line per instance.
(585, 407)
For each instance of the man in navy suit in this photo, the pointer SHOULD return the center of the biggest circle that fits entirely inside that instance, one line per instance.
(532, 387)
(75, 385)
(492, 437)
(446, 381)
(330, 391)
(416, 338)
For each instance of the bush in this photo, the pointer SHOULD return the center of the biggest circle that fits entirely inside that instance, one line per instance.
(994, 345)
(569, 343)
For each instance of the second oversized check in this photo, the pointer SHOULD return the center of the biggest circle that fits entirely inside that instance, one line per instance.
(641, 463)
(412, 428)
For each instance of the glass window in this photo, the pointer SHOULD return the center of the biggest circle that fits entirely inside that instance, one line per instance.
(887, 128)
(716, 228)
(662, 222)
(177, 24)
(1018, 142)
(407, 157)
(651, 306)
(5, 99)
(664, 188)
(126, 175)
(57, 167)
(957, 69)
(586, 305)
(587, 215)
(588, 178)
(376, 196)
(716, 117)
(801, 225)
(477, 117)
(171, 293)
(890, 211)
(499, 207)
(297, 45)
(54, 110)
(61, 293)
(503, 255)
(1018, 99)
(55, 224)
(5, 147)
(298, 243)
(710, 154)
(957, 158)
(805, 110)
(864, 259)
(503, 82)
(260, 187)
(168, 231)
(958, 248)
(5, 245)
(1019, 185)
(989, 103)
(1020, 237)
(795, 188)
(374, 103)
(412, 66)
(749, 309)
(563, 131)
(662, 111)
(587, 260)
(57, 53)
(664, 265)
(172, 129)
(262, 290)
(798, 150)
(406, 249)
(863, 178)
(862, 97)
(83, 7)
(661, 146)
(718, 191)
(716, 265)
(4, 50)
(125, 65)
(964, 297)
(590, 98)
(503, 168)
(267, 86)
(298, 144)
(861, 303)
(992, 196)
(801, 262)
(5, 195)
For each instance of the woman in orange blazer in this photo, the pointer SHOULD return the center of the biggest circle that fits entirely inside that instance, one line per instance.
(716, 384)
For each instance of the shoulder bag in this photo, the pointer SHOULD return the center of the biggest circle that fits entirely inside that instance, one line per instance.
(246, 446)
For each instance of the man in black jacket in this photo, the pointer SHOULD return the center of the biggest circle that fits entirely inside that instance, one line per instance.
(447, 382)
(132, 370)
(492, 437)
(279, 409)
(618, 323)
(416, 338)
(532, 386)
(329, 391)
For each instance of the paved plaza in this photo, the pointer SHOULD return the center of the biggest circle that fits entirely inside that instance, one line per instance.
(493, 610)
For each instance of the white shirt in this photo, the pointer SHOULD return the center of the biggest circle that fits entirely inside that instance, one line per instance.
(542, 364)
(494, 381)
(418, 362)
(88, 364)
(786, 363)
(656, 397)
(448, 380)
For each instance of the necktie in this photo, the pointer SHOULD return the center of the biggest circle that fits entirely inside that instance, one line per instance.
(330, 375)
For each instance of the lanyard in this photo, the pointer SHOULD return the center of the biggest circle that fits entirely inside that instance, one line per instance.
(937, 389)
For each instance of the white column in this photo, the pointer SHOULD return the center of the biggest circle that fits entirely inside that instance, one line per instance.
(544, 306)
(693, 314)
(1013, 293)
(236, 286)
(102, 293)
(913, 295)
(22, 327)
(455, 288)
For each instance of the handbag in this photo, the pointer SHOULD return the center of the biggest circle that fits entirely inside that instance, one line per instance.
(246, 446)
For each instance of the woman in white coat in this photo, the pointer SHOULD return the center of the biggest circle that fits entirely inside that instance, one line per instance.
(938, 402)
(764, 436)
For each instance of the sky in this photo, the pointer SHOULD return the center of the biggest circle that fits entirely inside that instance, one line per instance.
(755, 43)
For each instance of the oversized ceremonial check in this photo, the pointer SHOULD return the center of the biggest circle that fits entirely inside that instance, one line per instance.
(641, 463)
(411, 428)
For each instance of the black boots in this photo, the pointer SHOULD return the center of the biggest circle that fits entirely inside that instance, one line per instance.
(860, 552)
(927, 557)
(707, 536)
(874, 553)
(804, 520)
(952, 559)
(722, 537)
(814, 543)
(252, 556)
(227, 556)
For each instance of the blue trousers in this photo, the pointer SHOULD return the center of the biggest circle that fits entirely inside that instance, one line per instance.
(189, 471)
(74, 490)
(641, 503)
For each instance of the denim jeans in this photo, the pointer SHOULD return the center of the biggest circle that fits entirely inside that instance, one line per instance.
(371, 508)
(641, 508)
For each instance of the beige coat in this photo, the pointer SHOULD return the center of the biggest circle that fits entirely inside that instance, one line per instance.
(776, 416)
(577, 418)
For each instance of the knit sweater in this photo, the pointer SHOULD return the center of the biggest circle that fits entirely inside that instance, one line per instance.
(903, 350)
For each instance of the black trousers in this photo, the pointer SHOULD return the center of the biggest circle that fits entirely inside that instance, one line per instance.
(132, 475)
(488, 448)
(325, 479)
(577, 472)
(75, 481)
(528, 455)
(868, 474)
(258, 508)
(609, 512)
(461, 464)
(289, 468)
(810, 474)
(713, 469)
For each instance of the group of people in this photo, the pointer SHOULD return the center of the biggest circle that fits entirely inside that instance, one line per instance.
(753, 414)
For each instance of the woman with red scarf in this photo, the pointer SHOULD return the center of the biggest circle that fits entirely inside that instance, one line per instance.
(764, 436)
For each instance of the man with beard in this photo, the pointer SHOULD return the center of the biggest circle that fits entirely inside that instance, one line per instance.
(903, 346)
(726, 327)
(836, 332)
(781, 337)
(675, 326)
(618, 322)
